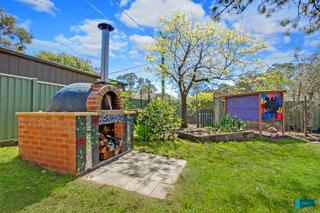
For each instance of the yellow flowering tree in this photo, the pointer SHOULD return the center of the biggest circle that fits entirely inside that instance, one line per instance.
(201, 51)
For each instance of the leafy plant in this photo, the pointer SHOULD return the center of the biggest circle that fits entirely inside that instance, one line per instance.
(200, 101)
(158, 121)
(127, 101)
(228, 124)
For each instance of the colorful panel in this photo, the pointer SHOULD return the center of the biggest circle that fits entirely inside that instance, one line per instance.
(244, 107)
(95, 139)
(131, 130)
(81, 143)
(87, 130)
(271, 106)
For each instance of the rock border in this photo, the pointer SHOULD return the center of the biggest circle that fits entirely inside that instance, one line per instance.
(217, 137)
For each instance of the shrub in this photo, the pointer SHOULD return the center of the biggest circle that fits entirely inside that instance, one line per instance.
(228, 124)
(126, 97)
(158, 121)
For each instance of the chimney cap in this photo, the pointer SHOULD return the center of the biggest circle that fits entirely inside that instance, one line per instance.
(105, 26)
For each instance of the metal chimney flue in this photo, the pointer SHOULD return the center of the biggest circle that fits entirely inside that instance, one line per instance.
(106, 28)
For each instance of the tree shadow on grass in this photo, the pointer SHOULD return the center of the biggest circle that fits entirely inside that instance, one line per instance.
(23, 184)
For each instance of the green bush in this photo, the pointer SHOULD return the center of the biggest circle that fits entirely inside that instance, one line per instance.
(127, 101)
(228, 124)
(158, 121)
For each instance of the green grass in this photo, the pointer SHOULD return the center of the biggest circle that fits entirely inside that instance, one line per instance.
(256, 176)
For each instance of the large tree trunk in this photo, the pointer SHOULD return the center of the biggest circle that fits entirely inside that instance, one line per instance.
(184, 111)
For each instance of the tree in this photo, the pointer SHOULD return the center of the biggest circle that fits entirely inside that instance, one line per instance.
(272, 79)
(141, 88)
(305, 78)
(150, 89)
(226, 88)
(306, 9)
(130, 79)
(145, 86)
(201, 52)
(200, 101)
(11, 34)
(68, 60)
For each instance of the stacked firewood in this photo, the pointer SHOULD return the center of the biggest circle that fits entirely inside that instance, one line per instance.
(109, 146)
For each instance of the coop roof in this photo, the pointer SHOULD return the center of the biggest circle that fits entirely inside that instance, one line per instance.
(253, 93)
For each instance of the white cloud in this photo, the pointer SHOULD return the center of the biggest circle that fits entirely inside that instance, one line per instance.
(252, 22)
(124, 3)
(279, 57)
(259, 24)
(148, 12)
(46, 6)
(141, 41)
(26, 24)
(86, 41)
(312, 41)
(287, 39)
(133, 53)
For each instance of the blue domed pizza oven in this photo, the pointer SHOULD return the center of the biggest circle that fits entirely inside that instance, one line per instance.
(84, 127)
(85, 97)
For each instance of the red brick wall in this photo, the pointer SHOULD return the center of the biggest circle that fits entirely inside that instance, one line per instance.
(48, 141)
(95, 97)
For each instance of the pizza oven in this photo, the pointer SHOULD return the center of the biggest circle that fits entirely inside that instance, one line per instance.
(85, 125)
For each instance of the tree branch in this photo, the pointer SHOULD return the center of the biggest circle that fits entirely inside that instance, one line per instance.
(226, 7)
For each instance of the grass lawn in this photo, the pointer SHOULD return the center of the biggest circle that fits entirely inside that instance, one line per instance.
(256, 176)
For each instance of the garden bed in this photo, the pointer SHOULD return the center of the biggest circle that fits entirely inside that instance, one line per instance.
(202, 135)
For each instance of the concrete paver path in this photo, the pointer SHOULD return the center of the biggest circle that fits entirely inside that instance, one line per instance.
(144, 173)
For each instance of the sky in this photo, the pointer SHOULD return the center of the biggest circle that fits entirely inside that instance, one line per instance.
(71, 26)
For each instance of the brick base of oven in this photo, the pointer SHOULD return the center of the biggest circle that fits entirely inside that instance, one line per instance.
(67, 142)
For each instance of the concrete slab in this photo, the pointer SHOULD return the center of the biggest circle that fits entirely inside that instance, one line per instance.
(161, 190)
(147, 174)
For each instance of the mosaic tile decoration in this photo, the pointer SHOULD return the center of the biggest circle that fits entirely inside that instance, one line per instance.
(111, 118)
(81, 144)
(95, 139)
(88, 143)
(87, 137)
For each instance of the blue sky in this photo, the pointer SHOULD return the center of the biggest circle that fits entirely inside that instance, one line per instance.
(71, 26)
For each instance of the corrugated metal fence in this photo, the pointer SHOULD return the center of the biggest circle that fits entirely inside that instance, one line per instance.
(21, 94)
(137, 103)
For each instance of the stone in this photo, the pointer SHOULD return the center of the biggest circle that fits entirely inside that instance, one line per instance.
(272, 129)
(147, 174)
